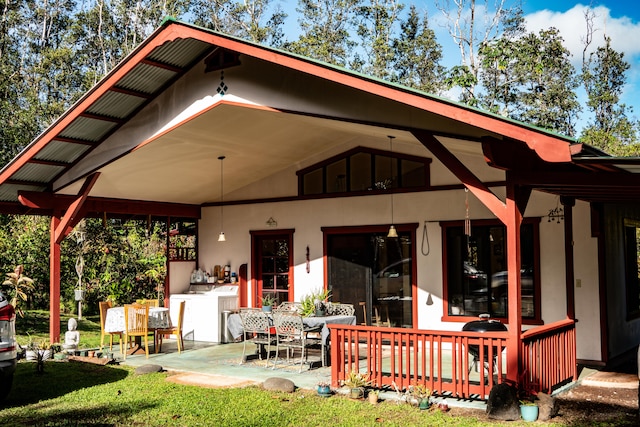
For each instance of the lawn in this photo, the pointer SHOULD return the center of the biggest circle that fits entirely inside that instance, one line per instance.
(34, 326)
(71, 393)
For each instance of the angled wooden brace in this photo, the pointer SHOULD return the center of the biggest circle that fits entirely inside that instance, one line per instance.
(71, 217)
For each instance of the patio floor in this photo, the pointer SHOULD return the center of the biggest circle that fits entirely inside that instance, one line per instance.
(222, 363)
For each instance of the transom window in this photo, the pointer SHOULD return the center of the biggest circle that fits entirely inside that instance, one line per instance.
(364, 170)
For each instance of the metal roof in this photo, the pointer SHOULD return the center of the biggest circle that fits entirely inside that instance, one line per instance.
(111, 103)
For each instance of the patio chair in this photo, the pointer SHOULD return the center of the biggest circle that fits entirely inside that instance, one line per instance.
(291, 335)
(289, 306)
(136, 324)
(173, 330)
(149, 302)
(104, 306)
(256, 329)
(343, 309)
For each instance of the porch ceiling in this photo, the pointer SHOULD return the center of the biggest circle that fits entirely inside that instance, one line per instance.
(182, 165)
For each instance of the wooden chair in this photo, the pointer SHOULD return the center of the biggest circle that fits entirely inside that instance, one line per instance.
(104, 306)
(149, 302)
(173, 330)
(136, 324)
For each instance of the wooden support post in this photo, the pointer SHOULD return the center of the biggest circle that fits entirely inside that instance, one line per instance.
(512, 223)
(54, 280)
(568, 204)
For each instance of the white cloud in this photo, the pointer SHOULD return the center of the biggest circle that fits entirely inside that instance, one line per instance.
(624, 33)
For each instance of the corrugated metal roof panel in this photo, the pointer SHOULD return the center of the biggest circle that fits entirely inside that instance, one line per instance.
(146, 78)
(9, 192)
(629, 167)
(180, 52)
(87, 129)
(36, 172)
(116, 104)
(61, 151)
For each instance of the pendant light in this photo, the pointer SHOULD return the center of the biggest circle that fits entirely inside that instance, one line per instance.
(392, 229)
(221, 237)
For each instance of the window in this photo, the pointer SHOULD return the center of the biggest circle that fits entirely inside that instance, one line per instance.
(475, 272)
(632, 260)
(365, 170)
(373, 272)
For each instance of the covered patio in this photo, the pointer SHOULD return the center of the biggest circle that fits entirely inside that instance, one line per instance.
(147, 140)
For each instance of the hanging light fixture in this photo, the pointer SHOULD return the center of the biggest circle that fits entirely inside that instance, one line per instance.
(221, 237)
(392, 229)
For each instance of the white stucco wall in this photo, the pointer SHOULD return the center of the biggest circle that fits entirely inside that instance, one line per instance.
(425, 209)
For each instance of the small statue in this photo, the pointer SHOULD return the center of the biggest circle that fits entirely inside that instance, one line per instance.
(71, 337)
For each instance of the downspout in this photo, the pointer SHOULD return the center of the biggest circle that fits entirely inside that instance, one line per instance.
(568, 204)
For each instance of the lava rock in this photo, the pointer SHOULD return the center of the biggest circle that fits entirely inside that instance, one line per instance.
(279, 384)
(548, 407)
(503, 403)
(148, 369)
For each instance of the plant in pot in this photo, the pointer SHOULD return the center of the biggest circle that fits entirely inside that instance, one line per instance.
(267, 300)
(373, 396)
(529, 410)
(356, 382)
(324, 388)
(420, 394)
(456, 305)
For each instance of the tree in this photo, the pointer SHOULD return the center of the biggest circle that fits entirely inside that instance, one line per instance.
(417, 55)
(244, 19)
(530, 78)
(326, 30)
(375, 30)
(472, 24)
(603, 76)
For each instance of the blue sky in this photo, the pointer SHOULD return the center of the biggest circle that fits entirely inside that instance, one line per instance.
(618, 19)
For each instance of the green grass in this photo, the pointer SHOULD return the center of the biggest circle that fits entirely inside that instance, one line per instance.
(34, 326)
(84, 394)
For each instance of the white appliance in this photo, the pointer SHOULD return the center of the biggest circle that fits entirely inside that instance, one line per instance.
(204, 304)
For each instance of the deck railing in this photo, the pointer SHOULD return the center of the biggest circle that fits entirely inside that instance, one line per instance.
(399, 357)
(549, 356)
(444, 360)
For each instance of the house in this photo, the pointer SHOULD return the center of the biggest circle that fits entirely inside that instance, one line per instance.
(305, 167)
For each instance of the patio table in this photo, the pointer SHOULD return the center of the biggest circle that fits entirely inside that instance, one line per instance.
(313, 323)
(158, 319)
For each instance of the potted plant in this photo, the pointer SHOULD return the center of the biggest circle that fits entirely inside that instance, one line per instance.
(529, 410)
(456, 305)
(420, 394)
(267, 301)
(373, 396)
(324, 389)
(314, 303)
(356, 382)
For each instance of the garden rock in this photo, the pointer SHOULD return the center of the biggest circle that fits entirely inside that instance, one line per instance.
(503, 403)
(547, 405)
(279, 384)
(148, 369)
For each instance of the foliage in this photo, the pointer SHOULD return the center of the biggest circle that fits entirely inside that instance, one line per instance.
(357, 380)
(308, 302)
(529, 77)
(603, 76)
(419, 391)
(17, 288)
(267, 300)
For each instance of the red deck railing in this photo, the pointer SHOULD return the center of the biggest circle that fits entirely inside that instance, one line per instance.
(444, 360)
(549, 356)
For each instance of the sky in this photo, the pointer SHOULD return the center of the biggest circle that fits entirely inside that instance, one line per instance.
(619, 19)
